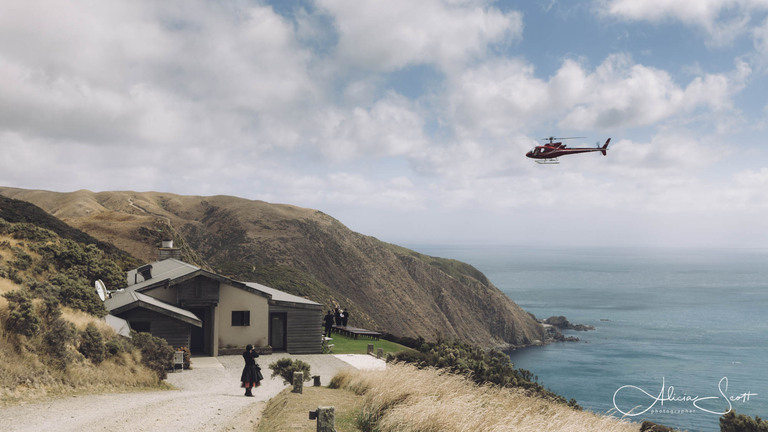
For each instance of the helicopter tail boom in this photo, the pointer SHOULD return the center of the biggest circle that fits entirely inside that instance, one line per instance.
(605, 147)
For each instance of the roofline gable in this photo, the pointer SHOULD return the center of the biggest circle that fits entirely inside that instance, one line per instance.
(169, 282)
(167, 311)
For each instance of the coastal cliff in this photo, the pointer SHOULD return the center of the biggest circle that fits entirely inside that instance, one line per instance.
(305, 252)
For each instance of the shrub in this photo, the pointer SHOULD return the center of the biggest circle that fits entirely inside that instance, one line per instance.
(285, 368)
(92, 344)
(156, 354)
(77, 293)
(481, 366)
(22, 318)
(50, 311)
(732, 422)
(23, 260)
(59, 334)
(115, 346)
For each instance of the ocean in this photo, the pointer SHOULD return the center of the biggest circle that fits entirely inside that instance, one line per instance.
(681, 334)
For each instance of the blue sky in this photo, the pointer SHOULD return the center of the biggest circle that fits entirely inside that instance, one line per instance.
(408, 121)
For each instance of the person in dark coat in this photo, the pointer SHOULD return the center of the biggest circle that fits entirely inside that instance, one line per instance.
(344, 317)
(251, 375)
(337, 316)
(328, 323)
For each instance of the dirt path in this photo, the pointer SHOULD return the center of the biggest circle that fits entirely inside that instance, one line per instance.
(208, 399)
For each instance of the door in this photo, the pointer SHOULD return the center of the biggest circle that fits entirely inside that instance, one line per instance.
(277, 331)
(197, 343)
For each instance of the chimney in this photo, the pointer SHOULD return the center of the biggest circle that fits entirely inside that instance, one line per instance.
(168, 251)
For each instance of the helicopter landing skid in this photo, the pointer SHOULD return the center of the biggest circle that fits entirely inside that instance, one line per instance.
(552, 161)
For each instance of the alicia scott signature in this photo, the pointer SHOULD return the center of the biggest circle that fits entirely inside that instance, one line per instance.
(667, 394)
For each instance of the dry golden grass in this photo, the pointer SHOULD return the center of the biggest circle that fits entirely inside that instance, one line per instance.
(25, 375)
(406, 399)
(5, 286)
(81, 320)
(289, 411)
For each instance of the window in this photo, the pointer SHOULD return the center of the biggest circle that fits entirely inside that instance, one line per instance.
(241, 318)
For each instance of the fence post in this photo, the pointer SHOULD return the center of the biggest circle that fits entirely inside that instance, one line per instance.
(298, 382)
(370, 348)
(380, 353)
(325, 419)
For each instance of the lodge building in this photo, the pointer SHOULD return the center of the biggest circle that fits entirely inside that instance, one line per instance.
(209, 313)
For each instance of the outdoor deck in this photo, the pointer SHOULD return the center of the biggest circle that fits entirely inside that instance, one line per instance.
(355, 332)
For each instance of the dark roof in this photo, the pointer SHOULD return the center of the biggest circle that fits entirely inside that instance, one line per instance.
(172, 271)
(282, 297)
(126, 300)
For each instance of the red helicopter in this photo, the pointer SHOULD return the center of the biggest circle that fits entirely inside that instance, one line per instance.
(549, 152)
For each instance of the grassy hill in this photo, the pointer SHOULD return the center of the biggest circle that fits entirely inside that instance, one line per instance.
(305, 252)
(51, 338)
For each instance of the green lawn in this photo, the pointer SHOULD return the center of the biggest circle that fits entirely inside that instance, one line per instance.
(347, 345)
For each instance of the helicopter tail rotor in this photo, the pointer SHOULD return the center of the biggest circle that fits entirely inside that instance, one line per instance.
(605, 147)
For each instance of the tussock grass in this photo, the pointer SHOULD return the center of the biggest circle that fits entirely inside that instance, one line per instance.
(406, 399)
(81, 320)
(25, 373)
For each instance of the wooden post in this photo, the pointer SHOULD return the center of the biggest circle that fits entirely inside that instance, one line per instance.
(298, 382)
(325, 419)
(380, 353)
(370, 348)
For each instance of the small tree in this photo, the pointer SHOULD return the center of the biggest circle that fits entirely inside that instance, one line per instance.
(59, 334)
(732, 422)
(22, 318)
(285, 368)
(156, 354)
(92, 344)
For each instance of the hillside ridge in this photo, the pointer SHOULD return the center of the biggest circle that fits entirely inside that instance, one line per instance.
(305, 252)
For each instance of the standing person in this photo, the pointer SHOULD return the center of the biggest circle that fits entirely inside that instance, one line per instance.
(328, 322)
(251, 375)
(345, 317)
(337, 316)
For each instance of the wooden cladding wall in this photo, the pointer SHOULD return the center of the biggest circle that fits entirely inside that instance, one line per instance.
(198, 291)
(175, 332)
(304, 328)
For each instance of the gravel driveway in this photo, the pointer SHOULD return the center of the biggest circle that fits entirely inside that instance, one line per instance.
(209, 398)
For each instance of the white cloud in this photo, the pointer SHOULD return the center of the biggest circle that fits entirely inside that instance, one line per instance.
(497, 97)
(622, 94)
(760, 37)
(749, 192)
(143, 73)
(398, 193)
(723, 20)
(391, 127)
(393, 34)
(314, 109)
(505, 97)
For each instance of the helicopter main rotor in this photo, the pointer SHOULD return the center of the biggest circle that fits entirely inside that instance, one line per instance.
(552, 139)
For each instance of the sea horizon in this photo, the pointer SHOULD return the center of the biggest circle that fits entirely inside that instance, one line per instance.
(681, 322)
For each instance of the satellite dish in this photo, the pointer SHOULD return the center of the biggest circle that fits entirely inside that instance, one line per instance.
(101, 289)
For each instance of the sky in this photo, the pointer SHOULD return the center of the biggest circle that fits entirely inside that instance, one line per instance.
(405, 120)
